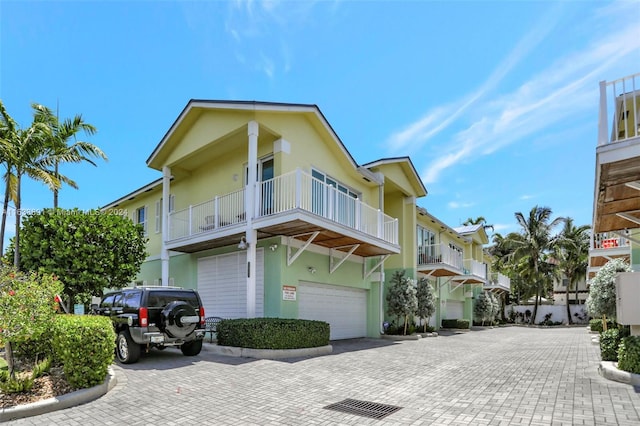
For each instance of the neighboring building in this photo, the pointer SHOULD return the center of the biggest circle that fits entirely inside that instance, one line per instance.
(577, 293)
(616, 206)
(262, 209)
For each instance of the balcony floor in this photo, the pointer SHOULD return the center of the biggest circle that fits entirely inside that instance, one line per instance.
(299, 226)
(618, 166)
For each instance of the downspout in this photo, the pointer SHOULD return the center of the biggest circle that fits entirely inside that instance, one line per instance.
(381, 206)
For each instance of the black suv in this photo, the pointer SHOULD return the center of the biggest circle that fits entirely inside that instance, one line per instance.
(146, 317)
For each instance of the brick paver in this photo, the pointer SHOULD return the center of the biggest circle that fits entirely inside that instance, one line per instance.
(501, 376)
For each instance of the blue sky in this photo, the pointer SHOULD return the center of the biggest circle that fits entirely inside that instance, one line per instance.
(495, 102)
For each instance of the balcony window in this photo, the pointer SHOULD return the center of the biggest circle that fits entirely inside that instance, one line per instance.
(339, 203)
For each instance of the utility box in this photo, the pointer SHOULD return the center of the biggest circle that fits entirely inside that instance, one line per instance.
(628, 298)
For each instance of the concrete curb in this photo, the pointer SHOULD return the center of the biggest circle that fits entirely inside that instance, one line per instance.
(609, 370)
(396, 338)
(61, 402)
(268, 353)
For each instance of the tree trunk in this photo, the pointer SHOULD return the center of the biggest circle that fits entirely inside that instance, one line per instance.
(4, 215)
(16, 255)
(55, 190)
(406, 321)
(8, 355)
(535, 306)
(567, 302)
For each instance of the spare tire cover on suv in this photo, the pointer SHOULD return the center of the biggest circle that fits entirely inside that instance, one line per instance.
(171, 319)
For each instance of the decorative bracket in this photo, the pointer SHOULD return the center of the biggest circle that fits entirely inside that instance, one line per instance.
(627, 215)
(332, 267)
(377, 265)
(291, 258)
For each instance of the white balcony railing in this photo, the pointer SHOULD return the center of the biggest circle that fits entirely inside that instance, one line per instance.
(499, 280)
(440, 254)
(609, 240)
(475, 268)
(295, 190)
(620, 106)
(218, 213)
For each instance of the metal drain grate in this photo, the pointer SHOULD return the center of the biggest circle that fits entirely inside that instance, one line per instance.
(373, 410)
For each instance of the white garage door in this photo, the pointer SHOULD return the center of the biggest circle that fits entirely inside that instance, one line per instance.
(455, 310)
(345, 309)
(222, 284)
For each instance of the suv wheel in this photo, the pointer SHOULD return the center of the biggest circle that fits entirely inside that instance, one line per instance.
(192, 348)
(127, 351)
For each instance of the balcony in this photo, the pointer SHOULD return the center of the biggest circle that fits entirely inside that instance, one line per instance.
(473, 272)
(498, 282)
(439, 260)
(617, 187)
(294, 204)
(606, 246)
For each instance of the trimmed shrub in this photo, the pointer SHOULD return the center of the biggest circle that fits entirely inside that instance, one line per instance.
(629, 354)
(273, 333)
(609, 342)
(455, 323)
(596, 324)
(85, 346)
(399, 330)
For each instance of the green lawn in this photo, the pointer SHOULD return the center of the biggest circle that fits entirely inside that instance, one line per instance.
(3, 364)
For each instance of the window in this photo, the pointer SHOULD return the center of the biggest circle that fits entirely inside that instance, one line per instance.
(564, 283)
(338, 203)
(107, 302)
(141, 218)
(159, 212)
(426, 245)
(132, 300)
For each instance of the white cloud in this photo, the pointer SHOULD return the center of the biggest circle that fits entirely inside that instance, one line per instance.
(565, 88)
(497, 227)
(261, 29)
(459, 205)
(526, 197)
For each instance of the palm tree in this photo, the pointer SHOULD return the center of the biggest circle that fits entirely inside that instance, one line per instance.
(58, 143)
(571, 251)
(480, 220)
(529, 248)
(26, 152)
(8, 134)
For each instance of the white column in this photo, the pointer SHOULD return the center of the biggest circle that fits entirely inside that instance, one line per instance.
(164, 253)
(250, 204)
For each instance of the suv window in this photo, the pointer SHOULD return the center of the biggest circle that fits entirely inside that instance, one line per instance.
(132, 300)
(107, 302)
(117, 302)
(159, 298)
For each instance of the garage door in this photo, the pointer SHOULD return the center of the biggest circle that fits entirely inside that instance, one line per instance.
(222, 284)
(345, 309)
(455, 310)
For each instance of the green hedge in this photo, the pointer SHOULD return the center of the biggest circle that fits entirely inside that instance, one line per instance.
(273, 333)
(596, 324)
(456, 323)
(85, 346)
(609, 342)
(629, 354)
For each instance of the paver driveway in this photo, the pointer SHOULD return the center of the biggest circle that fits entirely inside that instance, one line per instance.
(511, 375)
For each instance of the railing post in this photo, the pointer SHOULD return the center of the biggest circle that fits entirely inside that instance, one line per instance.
(358, 212)
(298, 188)
(380, 224)
(216, 212)
(190, 219)
(602, 116)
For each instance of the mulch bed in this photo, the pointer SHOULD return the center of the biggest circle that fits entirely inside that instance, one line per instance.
(47, 386)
